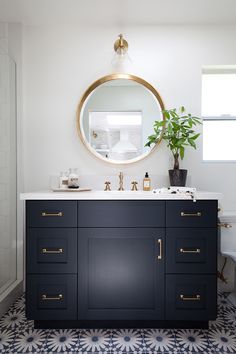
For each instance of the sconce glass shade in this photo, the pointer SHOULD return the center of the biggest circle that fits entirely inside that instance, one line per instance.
(121, 61)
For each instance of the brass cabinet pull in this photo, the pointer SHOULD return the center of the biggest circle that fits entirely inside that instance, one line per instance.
(59, 250)
(159, 241)
(44, 213)
(224, 224)
(46, 297)
(190, 297)
(196, 250)
(198, 213)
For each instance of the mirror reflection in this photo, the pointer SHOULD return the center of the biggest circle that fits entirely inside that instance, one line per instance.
(117, 116)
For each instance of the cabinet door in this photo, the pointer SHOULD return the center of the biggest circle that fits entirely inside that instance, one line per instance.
(120, 274)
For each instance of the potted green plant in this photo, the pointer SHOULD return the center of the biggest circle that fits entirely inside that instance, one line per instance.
(179, 133)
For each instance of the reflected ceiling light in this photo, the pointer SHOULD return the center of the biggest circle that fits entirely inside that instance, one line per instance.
(122, 119)
(121, 60)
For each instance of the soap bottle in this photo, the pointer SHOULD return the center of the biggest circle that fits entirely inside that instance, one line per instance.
(73, 178)
(147, 182)
(63, 184)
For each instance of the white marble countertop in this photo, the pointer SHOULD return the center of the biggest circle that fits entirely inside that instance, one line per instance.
(115, 195)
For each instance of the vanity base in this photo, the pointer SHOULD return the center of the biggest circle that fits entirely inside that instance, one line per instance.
(121, 324)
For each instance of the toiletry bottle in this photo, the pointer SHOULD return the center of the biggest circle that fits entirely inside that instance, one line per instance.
(63, 184)
(73, 178)
(146, 183)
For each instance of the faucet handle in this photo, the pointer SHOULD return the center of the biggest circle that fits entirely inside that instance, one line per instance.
(107, 186)
(134, 186)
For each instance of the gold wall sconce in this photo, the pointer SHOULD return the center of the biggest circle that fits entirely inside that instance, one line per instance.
(121, 61)
(121, 45)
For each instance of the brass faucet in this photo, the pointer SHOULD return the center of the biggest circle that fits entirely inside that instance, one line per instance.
(121, 182)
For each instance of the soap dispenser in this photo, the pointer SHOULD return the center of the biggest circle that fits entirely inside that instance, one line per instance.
(147, 182)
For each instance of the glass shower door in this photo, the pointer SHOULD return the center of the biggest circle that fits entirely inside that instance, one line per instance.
(8, 176)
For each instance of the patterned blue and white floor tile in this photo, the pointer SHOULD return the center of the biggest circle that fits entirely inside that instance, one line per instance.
(17, 335)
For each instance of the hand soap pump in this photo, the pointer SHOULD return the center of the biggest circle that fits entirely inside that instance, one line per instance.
(147, 182)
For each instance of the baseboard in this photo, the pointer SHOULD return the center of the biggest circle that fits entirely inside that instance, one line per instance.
(120, 324)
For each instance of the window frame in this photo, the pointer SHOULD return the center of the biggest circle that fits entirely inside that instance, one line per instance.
(220, 70)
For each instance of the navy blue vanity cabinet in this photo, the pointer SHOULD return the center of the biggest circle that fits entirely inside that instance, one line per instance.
(121, 263)
(51, 260)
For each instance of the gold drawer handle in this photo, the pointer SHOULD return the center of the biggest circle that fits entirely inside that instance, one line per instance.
(196, 250)
(45, 297)
(44, 213)
(190, 298)
(224, 224)
(191, 214)
(59, 250)
(159, 241)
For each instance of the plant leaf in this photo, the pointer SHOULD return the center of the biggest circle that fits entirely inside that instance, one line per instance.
(181, 152)
(195, 136)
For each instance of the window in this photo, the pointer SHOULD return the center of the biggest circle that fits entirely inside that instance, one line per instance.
(219, 113)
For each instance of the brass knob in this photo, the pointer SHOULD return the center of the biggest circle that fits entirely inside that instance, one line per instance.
(54, 298)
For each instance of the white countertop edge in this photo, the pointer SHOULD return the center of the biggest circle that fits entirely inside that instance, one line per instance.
(115, 195)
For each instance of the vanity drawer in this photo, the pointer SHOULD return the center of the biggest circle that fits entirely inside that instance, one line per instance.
(191, 297)
(121, 213)
(52, 250)
(186, 213)
(51, 297)
(191, 250)
(51, 213)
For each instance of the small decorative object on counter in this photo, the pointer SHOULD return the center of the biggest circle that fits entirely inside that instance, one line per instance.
(181, 191)
(147, 182)
(63, 181)
(73, 179)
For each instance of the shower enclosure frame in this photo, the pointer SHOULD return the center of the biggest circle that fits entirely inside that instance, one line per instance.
(15, 288)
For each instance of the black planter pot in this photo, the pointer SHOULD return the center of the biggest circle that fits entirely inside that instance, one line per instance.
(178, 177)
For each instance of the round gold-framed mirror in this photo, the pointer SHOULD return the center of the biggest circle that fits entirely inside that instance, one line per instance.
(115, 116)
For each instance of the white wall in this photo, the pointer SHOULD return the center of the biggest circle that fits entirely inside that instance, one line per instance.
(60, 62)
